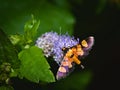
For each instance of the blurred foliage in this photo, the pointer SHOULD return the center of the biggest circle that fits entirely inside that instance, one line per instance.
(7, 51)
(28, 62)
(6, 88)
(54, 15)
(8, 59)
(28, 37)
(15, 13)
(30, 30)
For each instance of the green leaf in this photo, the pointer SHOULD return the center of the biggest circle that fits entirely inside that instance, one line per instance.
(15, 39)
(14, 72)
(34, 66)
(7, 51)
(6, 88)
(30, 29)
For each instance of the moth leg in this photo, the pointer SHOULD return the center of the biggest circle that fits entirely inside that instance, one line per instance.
(76, 60)
(82, 66)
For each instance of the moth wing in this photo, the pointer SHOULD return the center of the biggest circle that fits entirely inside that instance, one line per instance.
(87, 45)
(65, 69)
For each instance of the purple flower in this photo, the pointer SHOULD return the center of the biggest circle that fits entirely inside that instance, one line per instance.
(46, 42)
(63, 41)
(51, 43)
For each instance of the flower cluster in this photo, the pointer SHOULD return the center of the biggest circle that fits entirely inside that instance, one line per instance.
(51, 43)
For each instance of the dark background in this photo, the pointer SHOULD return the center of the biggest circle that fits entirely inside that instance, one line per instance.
(103, 60)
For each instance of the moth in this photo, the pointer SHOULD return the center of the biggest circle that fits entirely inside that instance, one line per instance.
(73, 55)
